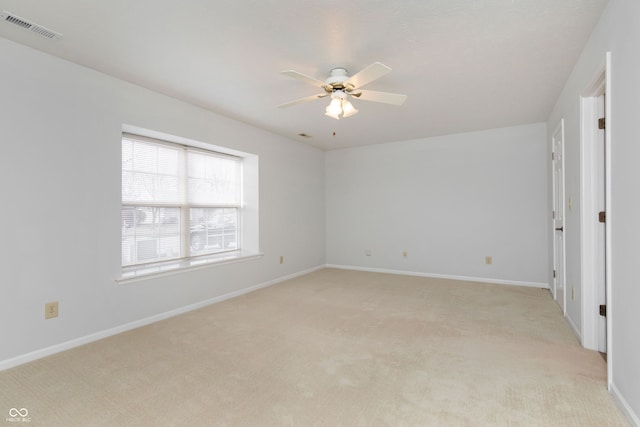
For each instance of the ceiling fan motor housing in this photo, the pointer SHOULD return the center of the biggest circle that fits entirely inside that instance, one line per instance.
(336, 79)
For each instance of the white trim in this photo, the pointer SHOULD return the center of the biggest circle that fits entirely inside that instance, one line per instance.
(137, 273)
(624, 406)
(442, 276)
(562, 268)
(589, 207)
(610, 216)
(57, 348)
(573, 327)
(155, 135)
(588, 222)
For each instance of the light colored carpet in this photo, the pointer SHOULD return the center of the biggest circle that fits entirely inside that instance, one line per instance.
(332, 348)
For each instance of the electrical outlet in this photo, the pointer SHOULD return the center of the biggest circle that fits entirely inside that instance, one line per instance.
(488, 260)
(281, 259)
(404, 254)
(367, 252)
(51, 310)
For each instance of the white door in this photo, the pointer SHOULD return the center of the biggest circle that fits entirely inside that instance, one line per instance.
(558, 285)
(601, 282)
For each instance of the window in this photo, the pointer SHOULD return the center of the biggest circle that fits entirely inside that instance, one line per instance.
(177, 201)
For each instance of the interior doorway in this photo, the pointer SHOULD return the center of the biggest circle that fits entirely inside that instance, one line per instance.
(595, 202)
(601, 232)
(558, 288)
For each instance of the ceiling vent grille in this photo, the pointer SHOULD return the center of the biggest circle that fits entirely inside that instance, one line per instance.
(28, 25)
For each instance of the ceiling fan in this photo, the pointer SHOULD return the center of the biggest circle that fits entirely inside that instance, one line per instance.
(339, 86)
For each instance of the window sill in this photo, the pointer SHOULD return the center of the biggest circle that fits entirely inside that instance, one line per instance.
(144, 272)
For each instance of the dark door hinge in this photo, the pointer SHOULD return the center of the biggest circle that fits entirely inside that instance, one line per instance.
(554, 274)
(601, 123)
(603, 310)
(602, 216)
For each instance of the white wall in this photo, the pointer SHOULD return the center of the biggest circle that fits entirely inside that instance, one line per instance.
(60, 173)
(618, 32)
(448, 201)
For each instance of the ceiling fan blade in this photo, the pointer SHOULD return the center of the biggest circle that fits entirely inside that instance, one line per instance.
(369, 74)
(303, 77)
(303, 100)
(385, 97)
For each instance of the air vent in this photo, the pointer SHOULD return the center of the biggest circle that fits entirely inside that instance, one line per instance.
(28, 25)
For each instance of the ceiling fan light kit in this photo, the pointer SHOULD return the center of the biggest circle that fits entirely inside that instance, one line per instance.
(339, 105)
(348, 110)
(340, 87)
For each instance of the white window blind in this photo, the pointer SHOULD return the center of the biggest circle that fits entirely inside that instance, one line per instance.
(177, 201)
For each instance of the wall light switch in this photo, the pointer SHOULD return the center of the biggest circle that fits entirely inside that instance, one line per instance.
(488, 260)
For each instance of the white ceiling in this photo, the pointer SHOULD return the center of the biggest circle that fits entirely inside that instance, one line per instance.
(465, 64)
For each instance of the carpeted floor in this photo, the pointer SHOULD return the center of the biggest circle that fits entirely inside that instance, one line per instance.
(332, 348)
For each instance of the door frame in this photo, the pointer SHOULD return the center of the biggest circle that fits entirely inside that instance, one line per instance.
(559, 270)
(600, 85)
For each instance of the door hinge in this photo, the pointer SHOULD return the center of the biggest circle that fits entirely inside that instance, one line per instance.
(553, 155)
(554, 274)
(601, 123)
(602, 216)
(553, 214)
(603, 310)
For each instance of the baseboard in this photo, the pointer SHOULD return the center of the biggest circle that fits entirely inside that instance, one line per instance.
(622, 403)
(442, 276)
(574, 329)
(57, 348)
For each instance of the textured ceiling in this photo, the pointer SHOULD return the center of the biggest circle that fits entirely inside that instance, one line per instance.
(465, 64)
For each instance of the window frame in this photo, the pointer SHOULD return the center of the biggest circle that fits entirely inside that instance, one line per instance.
(186, 258)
